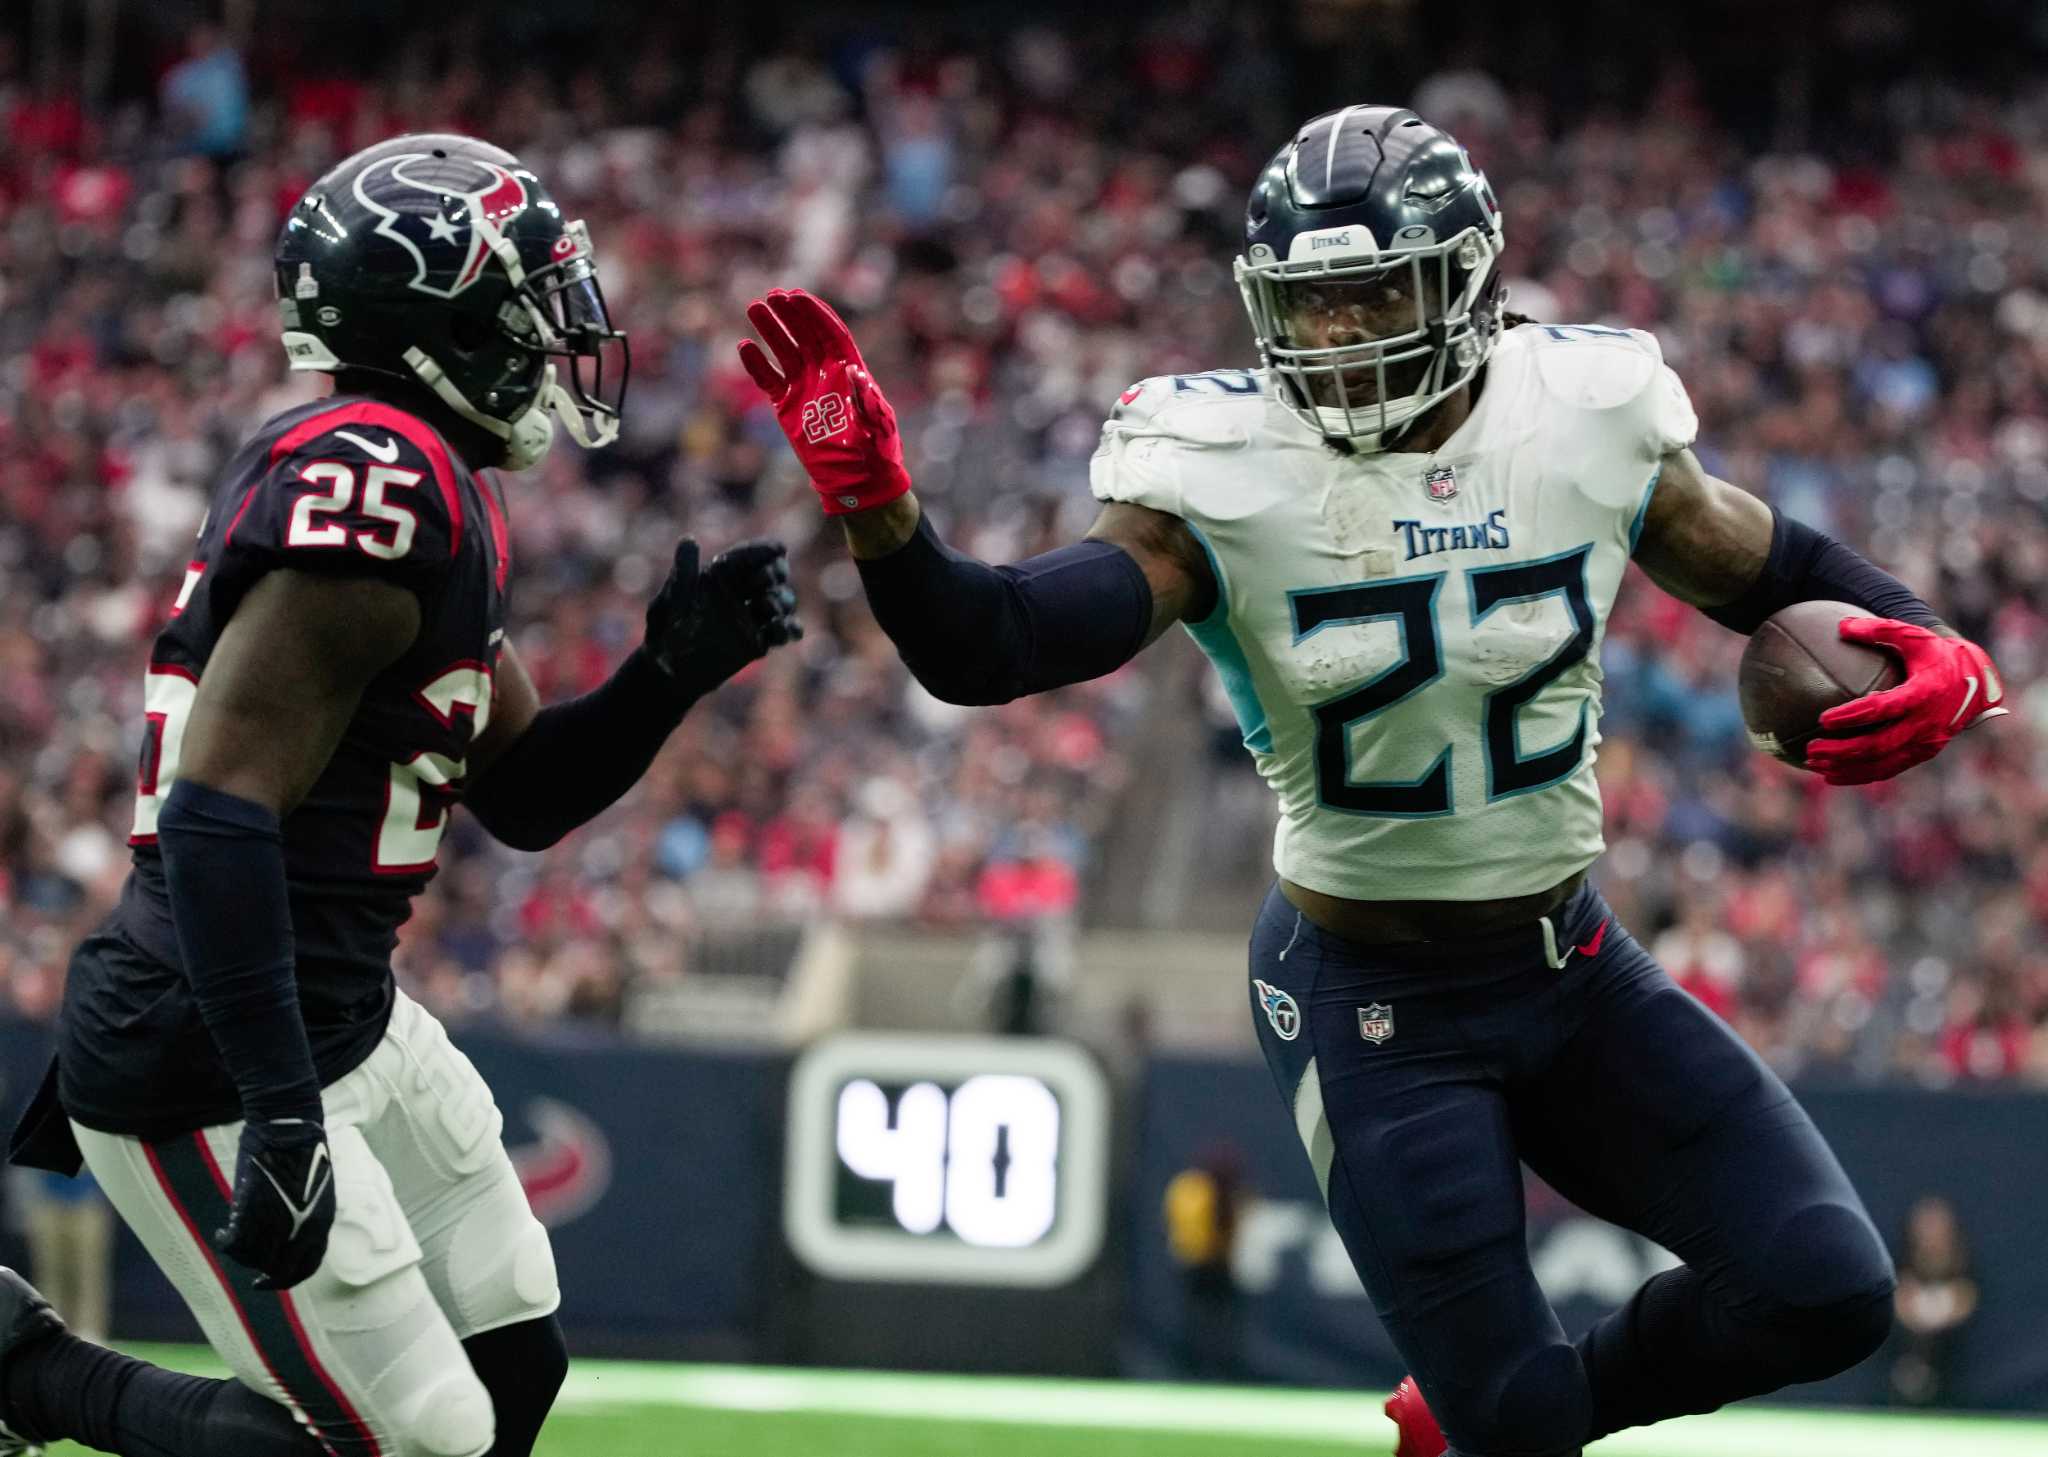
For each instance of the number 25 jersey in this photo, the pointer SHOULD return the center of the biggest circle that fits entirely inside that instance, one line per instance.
(347, 486)
(1411, 641)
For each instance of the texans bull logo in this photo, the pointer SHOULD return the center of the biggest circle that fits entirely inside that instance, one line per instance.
(567, 1167)
(437, 223)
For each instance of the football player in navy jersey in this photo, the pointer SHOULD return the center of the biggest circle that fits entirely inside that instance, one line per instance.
(295, 1142)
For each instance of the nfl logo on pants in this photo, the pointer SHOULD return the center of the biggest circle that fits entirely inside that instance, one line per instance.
(1376, 1022)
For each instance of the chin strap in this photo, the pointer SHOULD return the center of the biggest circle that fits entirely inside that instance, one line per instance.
(527, 439)
(559, 400)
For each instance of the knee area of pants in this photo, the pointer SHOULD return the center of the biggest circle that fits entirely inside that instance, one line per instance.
(1543, 1408)
(497, 1280)
(1828, 1256)
(534, 1349)
(451, 1418)
(1819, 1343)
(532, 1269)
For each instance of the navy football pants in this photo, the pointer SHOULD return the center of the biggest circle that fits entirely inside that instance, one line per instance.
(1420, 1077)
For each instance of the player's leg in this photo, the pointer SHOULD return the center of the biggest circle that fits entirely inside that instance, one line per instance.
(359, 1353)
(522, 1366)
(439, 1133)
(54, 1385)
(1410, 1142)
(1656, 1115)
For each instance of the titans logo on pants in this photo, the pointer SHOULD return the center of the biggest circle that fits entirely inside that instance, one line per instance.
(1281, 1010)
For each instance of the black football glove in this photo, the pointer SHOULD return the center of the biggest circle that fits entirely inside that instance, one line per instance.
(284, 1201)
(704, 626)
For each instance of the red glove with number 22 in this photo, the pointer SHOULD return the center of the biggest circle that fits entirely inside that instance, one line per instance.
(1950, 686)
(827, 403)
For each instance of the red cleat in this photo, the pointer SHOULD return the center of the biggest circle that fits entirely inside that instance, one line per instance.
(1420, 1436)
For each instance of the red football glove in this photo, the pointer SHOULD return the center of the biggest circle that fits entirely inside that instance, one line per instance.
(1950, 686)
(829, 406)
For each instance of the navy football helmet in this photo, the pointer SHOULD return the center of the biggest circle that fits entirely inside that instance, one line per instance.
(441, 259)
(1370, 271)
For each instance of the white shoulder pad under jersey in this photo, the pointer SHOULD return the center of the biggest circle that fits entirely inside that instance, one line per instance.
(1411, 639)
(1173, 428)
(1609, 390)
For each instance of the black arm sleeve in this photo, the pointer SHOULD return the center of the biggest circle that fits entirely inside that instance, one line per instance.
(224, 861)
(576, 758)
(1807, 566)
(973, 633)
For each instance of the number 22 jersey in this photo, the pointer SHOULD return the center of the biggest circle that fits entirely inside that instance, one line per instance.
(1411, 641)
(350, 486)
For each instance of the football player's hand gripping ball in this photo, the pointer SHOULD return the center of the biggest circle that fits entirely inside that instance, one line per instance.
(705, 625)
(1950, 686)
(827, 403)
(284, 1201)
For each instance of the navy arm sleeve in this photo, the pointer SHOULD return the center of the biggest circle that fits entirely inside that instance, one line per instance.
(224, 860)
(1809, 566)
(973, 633)
(577, 757)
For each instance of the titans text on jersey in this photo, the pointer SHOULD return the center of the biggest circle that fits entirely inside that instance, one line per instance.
(344, 485)
(1411, 642)
(1421, 538)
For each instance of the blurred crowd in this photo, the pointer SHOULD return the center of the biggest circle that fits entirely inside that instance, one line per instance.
(1019, 227)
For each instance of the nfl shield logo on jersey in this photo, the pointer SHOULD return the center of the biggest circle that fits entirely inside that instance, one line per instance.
(1442, 482)
(1376, 1022)
(1280, 1010)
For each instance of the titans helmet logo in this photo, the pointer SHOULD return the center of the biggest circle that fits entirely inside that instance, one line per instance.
(435, 220)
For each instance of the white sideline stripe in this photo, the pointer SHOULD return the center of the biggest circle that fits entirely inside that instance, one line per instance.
(1335, 1416)
(1340, 1416)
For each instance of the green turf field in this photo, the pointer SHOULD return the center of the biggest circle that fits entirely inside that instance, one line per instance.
(622, 1409)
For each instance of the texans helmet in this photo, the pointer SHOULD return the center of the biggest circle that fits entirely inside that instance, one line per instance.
(1366, 210)
(441, 259)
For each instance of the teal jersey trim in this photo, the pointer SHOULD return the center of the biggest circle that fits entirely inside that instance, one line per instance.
(1214, 637)
(1635, 527)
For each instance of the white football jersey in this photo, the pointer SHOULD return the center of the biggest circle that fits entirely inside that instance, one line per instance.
(1412, 641)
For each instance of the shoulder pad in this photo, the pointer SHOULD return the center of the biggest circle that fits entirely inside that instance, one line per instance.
(1173, 402)
(1164, 391)
(362, 486)
(1595, 368)
(1156, 419)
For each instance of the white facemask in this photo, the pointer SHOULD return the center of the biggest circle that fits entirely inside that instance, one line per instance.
(527, 439)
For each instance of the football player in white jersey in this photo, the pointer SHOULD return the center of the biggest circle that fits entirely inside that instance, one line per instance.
(1398, 541)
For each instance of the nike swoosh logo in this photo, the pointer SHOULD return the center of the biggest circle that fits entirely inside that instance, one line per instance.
(387, 452)
(1968, 699)
(316, 1184)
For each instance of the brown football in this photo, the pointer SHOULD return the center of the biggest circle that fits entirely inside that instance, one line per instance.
(1797, 667)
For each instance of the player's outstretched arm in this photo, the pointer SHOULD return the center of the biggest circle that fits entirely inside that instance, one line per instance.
(537, 773)
(970, 632)
(1738, 560)
(277, 693)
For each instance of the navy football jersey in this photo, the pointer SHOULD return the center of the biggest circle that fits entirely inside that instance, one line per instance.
(352, 486)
